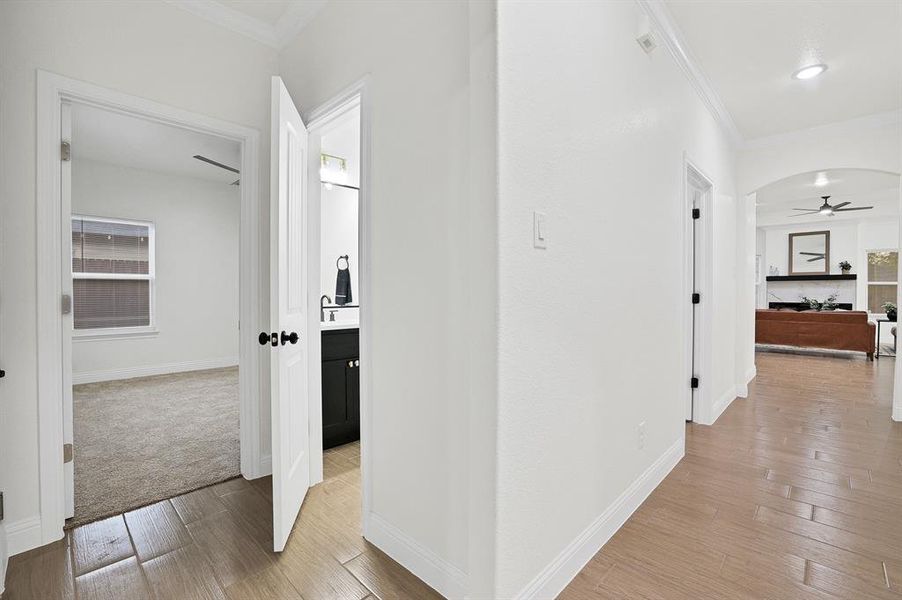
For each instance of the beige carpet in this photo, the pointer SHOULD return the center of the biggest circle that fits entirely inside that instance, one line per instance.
(141, 440)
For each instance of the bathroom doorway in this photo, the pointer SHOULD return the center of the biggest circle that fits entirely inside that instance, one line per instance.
(338, 151)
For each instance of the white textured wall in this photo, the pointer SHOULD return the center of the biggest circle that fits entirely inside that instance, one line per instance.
(592, 132)
(196, 285)
(149, 49)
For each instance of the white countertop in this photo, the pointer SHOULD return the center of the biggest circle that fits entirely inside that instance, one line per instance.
(333, 325)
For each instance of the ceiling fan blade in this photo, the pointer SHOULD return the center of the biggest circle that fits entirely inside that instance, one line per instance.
(210, 161)
(806, 214)
(815, 259)
(848, 209)
(840, 205)
(807, 209)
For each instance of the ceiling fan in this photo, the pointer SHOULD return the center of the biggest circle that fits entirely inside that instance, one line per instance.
(827, 210)
(220, 165)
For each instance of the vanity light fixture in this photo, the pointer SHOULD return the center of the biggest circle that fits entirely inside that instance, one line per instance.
(810, 71)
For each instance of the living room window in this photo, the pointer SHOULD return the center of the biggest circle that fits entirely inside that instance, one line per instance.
(113, 274)
(883, 269)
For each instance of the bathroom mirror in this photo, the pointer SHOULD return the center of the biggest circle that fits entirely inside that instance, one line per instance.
(809, 253)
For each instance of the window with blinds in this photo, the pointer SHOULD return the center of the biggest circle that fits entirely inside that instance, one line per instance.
(112, 272)
(883, 269)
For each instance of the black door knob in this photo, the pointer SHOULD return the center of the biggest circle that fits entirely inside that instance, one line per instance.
(268, 338)
(293, 338)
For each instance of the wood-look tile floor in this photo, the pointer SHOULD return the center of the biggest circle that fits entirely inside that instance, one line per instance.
(216, 543)
(795, 493)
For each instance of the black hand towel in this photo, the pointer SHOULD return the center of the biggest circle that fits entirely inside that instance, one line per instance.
(343, 287)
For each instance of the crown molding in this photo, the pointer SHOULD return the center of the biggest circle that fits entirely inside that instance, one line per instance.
(295, 19)
(275, 36)
(662, 21)
(883, 120)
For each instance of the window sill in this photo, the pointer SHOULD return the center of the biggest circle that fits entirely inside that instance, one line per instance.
(123, 333)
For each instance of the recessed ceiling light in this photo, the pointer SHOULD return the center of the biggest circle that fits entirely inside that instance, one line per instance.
(821, 180)
(809, 72)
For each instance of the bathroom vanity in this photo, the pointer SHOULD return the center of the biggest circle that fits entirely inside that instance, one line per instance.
(341, 383)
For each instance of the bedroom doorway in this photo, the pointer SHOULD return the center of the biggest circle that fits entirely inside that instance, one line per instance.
(151, 310)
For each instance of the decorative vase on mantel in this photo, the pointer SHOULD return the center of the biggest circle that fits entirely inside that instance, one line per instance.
(847, 271)
(891, 315)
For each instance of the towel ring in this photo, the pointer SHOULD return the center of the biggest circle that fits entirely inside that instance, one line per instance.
(338, 263)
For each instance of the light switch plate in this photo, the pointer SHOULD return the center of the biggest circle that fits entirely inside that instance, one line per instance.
(539, 230)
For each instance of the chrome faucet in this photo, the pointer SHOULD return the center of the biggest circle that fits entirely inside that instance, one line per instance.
(322, 310)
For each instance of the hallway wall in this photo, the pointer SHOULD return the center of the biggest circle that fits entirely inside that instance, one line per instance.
(592, 132)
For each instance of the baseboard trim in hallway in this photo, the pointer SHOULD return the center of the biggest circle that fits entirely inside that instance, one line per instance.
(438, 573)
(555, 577)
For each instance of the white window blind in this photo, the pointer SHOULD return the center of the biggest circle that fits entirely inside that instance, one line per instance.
(112, 271)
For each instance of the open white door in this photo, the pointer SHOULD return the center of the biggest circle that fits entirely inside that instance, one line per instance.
(288, 277)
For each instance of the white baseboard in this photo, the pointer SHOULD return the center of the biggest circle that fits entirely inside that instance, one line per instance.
(723, 403)
(561, 571)
(897, 413)
(23, 535)
(742, 388)
(439, 574)
(751, 374)
(265, 465)
(131, 372)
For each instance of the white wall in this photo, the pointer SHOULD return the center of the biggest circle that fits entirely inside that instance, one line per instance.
(425, 276)
(843, 244)
(865, 143)
(592, 132)
(149, 49)
(196, 283)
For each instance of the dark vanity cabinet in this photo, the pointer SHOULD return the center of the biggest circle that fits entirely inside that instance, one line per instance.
(341, 387)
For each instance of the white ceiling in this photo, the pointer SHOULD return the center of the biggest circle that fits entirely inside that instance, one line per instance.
(861, 187)
(272, 22)
(127, 141)
(269, 11)
(844, 183)
(749, 50)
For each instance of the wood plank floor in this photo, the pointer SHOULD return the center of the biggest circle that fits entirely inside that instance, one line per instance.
(216, 543)
(795, 493)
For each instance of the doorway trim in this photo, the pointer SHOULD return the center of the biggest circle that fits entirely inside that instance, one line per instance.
(702, 407)
(355, 95)
(52, 91)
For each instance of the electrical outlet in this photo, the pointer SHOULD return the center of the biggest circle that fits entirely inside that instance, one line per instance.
(642, 435)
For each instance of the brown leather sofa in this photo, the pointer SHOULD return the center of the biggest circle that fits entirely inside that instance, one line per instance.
(833, 330)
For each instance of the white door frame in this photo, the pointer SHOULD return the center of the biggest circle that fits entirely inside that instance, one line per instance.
(317, 120)
(52, 90)
(704, 277)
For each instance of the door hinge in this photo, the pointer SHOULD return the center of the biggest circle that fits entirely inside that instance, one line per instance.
(696, 298)
(66, 304)
(1, 506)
(65, 151)
(67, 453)
(696, 213)
(693, 383)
